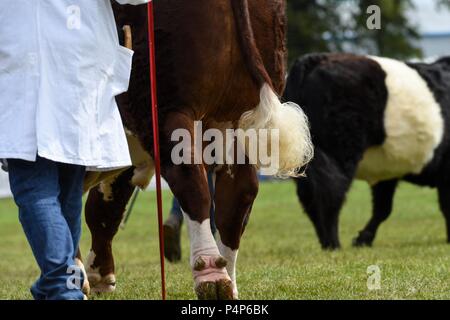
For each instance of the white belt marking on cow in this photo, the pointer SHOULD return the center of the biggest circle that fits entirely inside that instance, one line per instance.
(413, 123)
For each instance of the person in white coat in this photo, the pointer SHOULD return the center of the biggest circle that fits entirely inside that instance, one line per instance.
(61, 66)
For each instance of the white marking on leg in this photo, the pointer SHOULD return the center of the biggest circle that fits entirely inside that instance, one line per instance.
(98, 283)
(202, 240)
(92, 272)
(207, 264)
(231, 257)
(105, 188)
(141, 160)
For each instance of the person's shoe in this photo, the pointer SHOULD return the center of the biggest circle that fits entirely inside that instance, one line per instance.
(172, 242)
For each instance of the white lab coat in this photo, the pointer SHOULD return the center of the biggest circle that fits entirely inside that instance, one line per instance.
(61, 67)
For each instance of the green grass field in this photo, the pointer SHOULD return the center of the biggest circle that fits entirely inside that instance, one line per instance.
(280, 257)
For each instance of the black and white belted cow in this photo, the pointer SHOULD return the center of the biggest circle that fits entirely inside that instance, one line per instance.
(375, 119)
(222, 62)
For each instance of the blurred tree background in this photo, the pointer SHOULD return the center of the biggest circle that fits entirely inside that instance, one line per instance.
(341, 25)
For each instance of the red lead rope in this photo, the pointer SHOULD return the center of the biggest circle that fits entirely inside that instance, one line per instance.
(151, 37)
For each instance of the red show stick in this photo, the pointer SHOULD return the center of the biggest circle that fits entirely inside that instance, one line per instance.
(151, 38)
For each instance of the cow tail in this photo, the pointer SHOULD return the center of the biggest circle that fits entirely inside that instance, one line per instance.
(294, 149)
(252, 56)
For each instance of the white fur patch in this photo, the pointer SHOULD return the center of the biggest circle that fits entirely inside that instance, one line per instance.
(231, 257)
(99, 284)
(202, 240)
(105, 188)
(92, 273)
(295, 148)
(413, 123)
(141, 160)
(90, 261)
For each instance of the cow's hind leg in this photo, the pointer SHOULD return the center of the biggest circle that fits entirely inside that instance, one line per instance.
(189, 185)
(104, 211)
(382, 198)
(322, 194)
(444, 202)
(236, 189)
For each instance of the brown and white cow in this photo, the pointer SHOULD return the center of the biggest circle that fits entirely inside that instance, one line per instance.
(221, 62)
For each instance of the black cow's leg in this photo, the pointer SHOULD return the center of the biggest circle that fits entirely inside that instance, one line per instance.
(382, 199)
(322, 194)
(330, 215)
(444, 203)
(189, 185)
(323, 209)
(104, 210)
(236, 189)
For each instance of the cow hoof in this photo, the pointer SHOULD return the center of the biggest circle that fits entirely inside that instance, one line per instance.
(99, 284)
(219, 290)
(331, 246)
(172, 232)
(364, 239)
(211, 279)
(86, 289)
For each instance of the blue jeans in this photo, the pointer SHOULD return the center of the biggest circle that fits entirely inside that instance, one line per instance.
(49, 197)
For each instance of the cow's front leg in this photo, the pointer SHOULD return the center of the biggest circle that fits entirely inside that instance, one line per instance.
(236, 188)
(104, 211)
(189, 185)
